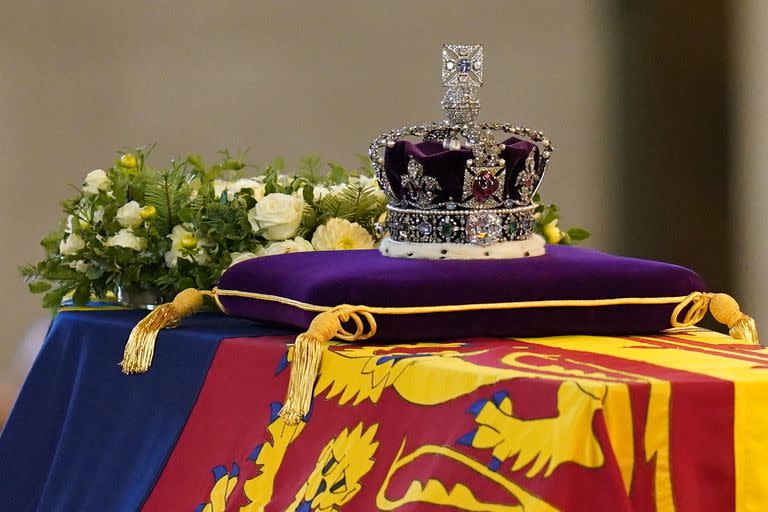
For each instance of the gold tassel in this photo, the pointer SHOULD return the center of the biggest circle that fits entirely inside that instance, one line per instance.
(724, 309)
(308, 352)
(140, 348)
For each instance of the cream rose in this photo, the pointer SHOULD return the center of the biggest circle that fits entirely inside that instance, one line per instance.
(238, 257)
(71, 245)
(126, 238)
(235, 187)
(340, 234)
(297, 244)
(256, 187)
(278, 214)
(129, 215)
(95, 181)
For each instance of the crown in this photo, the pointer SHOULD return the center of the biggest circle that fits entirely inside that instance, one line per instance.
(457, 192)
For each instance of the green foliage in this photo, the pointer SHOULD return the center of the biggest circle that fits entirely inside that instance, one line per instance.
(188, 233)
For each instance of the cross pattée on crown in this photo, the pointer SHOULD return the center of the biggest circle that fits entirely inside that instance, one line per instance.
(462, 65)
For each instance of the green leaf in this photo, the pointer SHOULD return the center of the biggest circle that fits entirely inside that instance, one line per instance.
(309, 168)
(309, 194)
(186, 282)
(196, 162)
(82, 294)
(52, 299)
(51, 242)
(38, 286)
(578, 234)
(549, 214)
(168, 192)
(366, 166)
(337, 174)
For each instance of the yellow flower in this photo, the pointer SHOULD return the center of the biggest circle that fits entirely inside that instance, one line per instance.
(148, 212)
(340, 234)
(552, 233)
(129, 161)
(189, 242)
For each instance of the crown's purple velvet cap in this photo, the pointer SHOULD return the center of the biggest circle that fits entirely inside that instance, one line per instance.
(368, 278)
(448, 166)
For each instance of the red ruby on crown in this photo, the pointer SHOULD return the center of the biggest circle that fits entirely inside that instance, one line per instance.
(484, 186)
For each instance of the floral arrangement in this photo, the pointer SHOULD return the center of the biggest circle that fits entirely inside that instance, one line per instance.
(136, 228)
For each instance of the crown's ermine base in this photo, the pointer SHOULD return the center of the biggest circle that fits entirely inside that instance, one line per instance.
(534, 246)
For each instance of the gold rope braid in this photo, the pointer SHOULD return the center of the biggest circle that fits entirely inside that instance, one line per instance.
(329, 324)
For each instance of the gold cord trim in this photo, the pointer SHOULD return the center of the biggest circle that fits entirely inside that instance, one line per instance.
(454, 308)
(329, 324)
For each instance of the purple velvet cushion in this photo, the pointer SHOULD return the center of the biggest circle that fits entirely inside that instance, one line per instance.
(368, 278)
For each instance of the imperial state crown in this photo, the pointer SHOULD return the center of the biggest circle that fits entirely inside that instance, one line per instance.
(456, 192)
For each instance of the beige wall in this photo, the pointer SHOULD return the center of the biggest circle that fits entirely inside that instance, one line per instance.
(750, 152)
(81, 79)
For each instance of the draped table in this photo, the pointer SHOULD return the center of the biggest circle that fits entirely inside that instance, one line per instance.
(673, 421)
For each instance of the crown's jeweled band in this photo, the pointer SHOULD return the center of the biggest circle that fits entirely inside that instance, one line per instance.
(479, 227)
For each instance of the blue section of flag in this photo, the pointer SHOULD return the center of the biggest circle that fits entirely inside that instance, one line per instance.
(218, 472)
(255, 453)
(499, 397)
(476, 407)
(76, 403)
(467, 438)
(495, 464)
(274, 410)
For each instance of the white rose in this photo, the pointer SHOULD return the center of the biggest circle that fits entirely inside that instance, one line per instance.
(340, 234)
(278, 214)
(95, 181)
(298, 244)
(71, 245)
(198, 254)
(238, 257)
(126, 238)
(245, 183)
(80, 266)
(129, 215)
